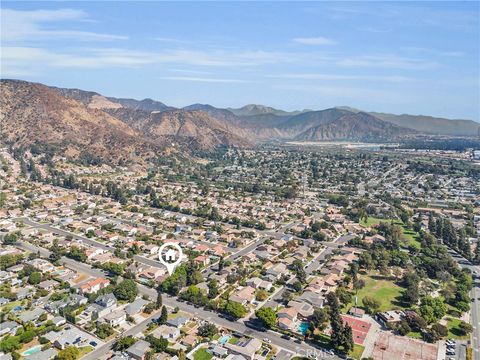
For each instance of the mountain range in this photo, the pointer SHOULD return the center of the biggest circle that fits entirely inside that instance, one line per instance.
(87, 124)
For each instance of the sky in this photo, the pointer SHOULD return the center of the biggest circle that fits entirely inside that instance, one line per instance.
(398, 57)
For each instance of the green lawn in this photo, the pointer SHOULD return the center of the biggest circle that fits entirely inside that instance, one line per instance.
(415, 335)
(9, 306)
(382, 289)
(454, 331)
(357, 351)
(202, 354)
(410, 235)
(323, 340)
(84, 350)
(233, 340)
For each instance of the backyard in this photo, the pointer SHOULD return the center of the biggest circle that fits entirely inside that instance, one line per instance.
(202, 354)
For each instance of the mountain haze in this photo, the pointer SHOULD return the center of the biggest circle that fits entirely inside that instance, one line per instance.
(85, 123)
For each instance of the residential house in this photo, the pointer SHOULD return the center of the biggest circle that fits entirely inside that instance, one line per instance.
(258, 283)
(167, 332)
(286, 318)
(94, 285)
(136, 307)
(178, 321)
(245, 348)
(115, 318)
(139, 350)
(244, 296)
(9, 327)
(303, 309)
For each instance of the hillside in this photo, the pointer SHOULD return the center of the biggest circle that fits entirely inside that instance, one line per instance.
(87, 125)
(427, 124)
(432, 125)
(255, 109)
(194, 129)
(354, 126)
(36, 114)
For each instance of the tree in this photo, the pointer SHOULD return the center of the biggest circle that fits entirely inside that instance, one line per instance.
(27, 336)
(297, 286)
(432, 309)
(35, 278)
(158, 345)
(318, 318)
(10, 343)
(56, 252)
(124, 343)
(181, 355)
(175, 282)
(440, 329)
(163, 316)
(69, 353)
(267, 316)
(207, 330)
(235, 309)
(194, 295)
(347, 339)
(465, 328)
(10, 238)
(287, 295)
(212, 289)
(126, 290)
(77, 254)
(159, 302)
(149, 308)
(371, 304)
(104, 331)
(336, 321)
(261, 295)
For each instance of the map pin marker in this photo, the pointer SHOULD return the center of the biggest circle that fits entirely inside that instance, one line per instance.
(170, 255)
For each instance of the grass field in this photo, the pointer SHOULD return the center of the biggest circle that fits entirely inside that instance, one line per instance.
(357, 351)
(410, 235)
(454, 331)
(323, 341)
(84, 350)
(382, 289)
(202, 354)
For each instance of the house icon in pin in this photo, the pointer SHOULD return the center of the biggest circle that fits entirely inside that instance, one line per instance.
(170, 255)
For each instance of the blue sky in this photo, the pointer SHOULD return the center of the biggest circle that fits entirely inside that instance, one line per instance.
(400, 57)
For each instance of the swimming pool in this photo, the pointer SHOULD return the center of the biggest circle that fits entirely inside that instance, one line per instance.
(224, 339)
(303, 327)
(32, 350)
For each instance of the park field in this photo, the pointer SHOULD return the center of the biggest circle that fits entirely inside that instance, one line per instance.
(381, 288)
(410, 234)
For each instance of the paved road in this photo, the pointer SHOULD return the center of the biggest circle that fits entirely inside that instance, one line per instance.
(141, 259)
(236, 326)
(314, 265)
(475, 296)
(64, 260)
(86, 240)
(105, 348)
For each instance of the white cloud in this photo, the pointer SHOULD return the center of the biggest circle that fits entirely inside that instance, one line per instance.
(33, 60)
(31, 25)
(387, 61)
(209, 80)
(318, 76)
(319, 40)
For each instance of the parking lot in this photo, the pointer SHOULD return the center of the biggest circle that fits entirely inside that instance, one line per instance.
(459, 351)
